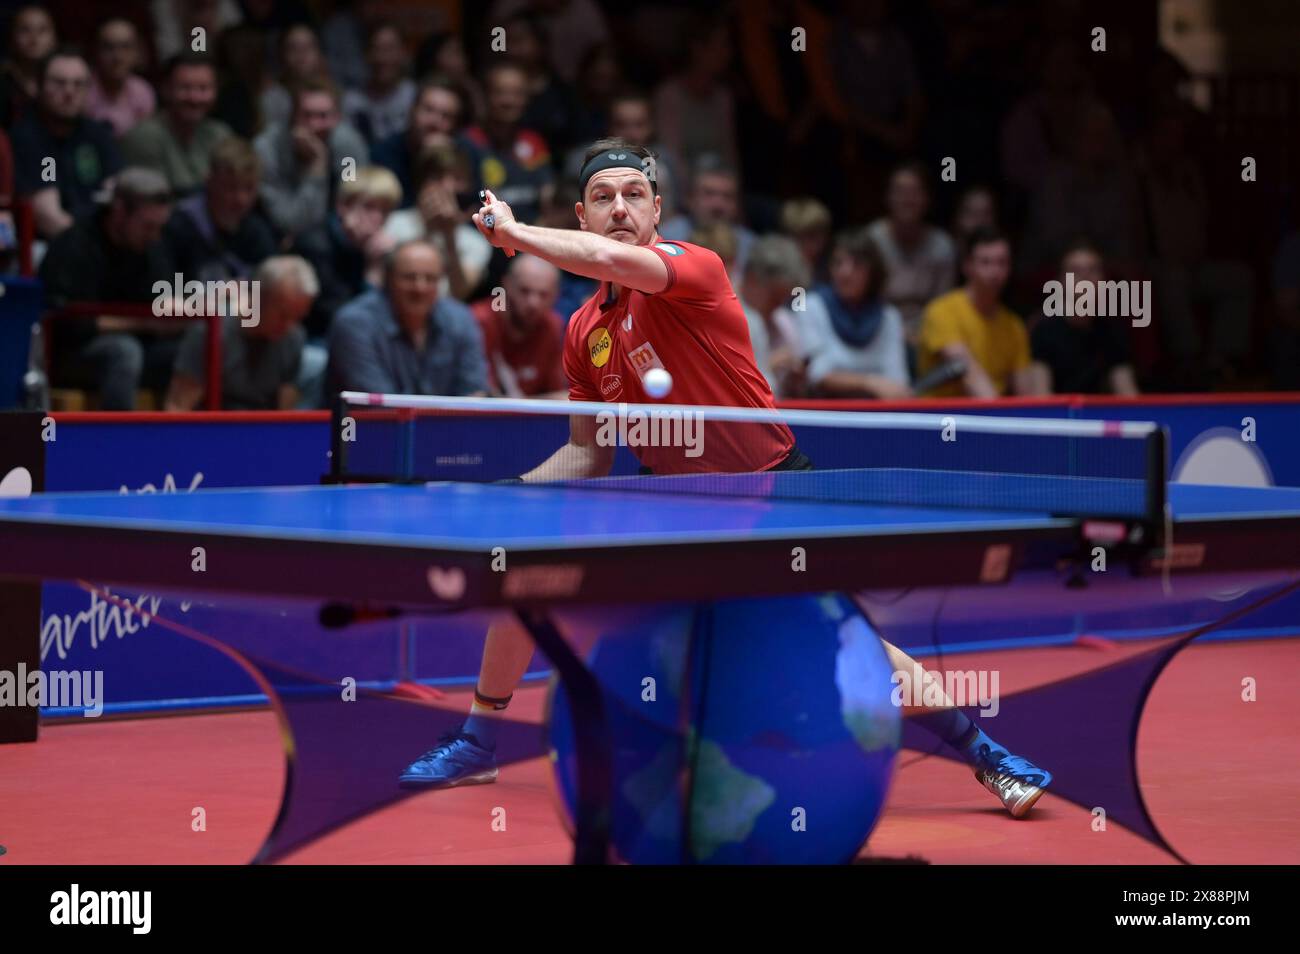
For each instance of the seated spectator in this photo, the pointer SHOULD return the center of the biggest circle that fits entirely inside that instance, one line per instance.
(343, 42)
(31, 39)
(808, 222)
(301, 61)
(631, 117)
(115, 255)
(436, 115)
(523, 336)
(1084, 354)
(217, 233)
(443, 54)
(514, 162)
(921, 258)
(599, 80)
(976, 209)
(348, 250)
(245, 74)
(61, 157)
(970, 325)
(381, 107)
(302, 162)
(696, 107)
(260, 361)
(714, 197)
(117, 95)
(775, 269)
(179, 140)
(852, 337)
(551, 103)
(442, 175)
(405, 339)
(174, 22)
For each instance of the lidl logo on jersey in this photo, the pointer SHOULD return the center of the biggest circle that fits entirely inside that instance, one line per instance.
(644, 358)
(600, 343)
(670, 249)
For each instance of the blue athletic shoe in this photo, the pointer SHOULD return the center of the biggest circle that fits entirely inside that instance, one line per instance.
(457, 759)
(1016, 781)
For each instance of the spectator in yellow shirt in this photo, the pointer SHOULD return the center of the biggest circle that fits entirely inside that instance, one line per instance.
(970, 325)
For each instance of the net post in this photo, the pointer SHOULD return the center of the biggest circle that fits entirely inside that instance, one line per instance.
(1157, 467)
(338, 447)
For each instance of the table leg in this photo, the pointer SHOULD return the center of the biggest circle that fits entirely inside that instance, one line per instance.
(591, 739)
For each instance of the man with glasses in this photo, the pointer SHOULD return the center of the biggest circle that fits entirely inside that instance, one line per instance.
(61, 156)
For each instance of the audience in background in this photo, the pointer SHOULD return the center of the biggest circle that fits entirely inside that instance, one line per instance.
(776, 268)
(261, 355)
(114, 255)
(301, 61)
(304, 160)
(523, 337)
(348, 249)
(117, 95)
(852, 336)
(714, 199)
(970, 325)
(436, 115)
(808, 222)
(920, 258)
(217, 233)
(1084, 354)
(178, 141)
(1031, 131)
(441, 176)
(32, 37)
(61, 157)
(405, 338)
(514, 162)
(380, 108)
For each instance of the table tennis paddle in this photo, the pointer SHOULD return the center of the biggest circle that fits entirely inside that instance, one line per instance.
(937, 377)
(490, 221)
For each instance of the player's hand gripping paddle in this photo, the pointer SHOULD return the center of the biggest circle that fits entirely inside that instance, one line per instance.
(490, 221)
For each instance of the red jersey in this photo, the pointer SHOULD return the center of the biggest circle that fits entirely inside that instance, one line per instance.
(521, 367)
(696, 330)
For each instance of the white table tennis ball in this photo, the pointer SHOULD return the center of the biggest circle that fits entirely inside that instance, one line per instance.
(658, 382)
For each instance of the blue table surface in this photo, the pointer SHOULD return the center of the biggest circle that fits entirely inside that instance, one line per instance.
(457, 516)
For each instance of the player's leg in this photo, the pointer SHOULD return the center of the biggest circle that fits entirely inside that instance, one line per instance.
(1013, 779)
(467, 755)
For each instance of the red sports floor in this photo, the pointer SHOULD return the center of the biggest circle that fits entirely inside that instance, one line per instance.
(1221, 777)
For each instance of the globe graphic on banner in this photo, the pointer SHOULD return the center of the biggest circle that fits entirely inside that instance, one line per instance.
(751, 731)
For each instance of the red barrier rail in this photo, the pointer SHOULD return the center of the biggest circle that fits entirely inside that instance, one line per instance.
(92, 309)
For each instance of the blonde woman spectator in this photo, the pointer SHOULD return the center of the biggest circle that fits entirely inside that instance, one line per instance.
(808, 222)
(776, 268)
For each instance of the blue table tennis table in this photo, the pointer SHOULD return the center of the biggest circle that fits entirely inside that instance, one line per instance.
(431, 547)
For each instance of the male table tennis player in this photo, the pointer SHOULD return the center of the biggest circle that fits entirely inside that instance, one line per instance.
(670, 305)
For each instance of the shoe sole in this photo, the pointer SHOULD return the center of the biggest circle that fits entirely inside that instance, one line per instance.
(416, 782)
(1021, 808)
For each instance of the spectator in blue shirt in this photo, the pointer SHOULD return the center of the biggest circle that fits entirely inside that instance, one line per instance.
(405, 339)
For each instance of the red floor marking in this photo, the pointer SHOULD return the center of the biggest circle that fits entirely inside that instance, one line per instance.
(1221, 776)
